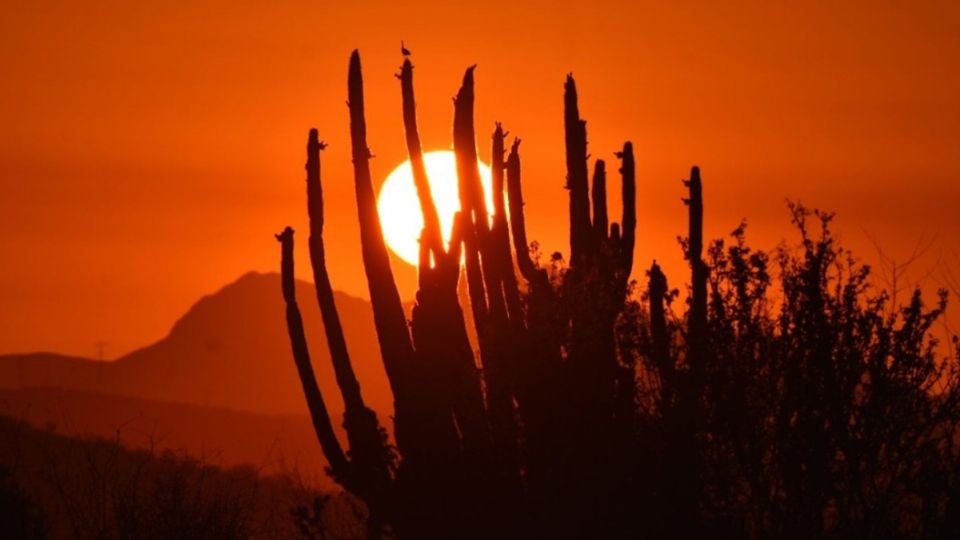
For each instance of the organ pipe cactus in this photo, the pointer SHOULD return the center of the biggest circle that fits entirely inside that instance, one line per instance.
(479, 439)
(699, 273)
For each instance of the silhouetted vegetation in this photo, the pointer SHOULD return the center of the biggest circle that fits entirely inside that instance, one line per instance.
(786, 398)
(19, 516)
(94, 488)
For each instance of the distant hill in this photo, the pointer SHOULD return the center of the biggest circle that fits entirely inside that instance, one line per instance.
(229, 350)
(221, 385)
(221, 437)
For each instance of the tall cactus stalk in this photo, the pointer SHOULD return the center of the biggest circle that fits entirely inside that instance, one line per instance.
(660, 341)
(369, 455)
(577, 181)
(697, 323)
(518, 227)
(480, 279)
(468, 174)
(432, 235)
(395, 346)
(473, 203)
(599, 195)
(336, 458)
(500, 231)
(687, 417)
(628, 222)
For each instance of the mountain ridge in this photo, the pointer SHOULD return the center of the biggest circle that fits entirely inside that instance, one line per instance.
(229, 350)
(222, 378)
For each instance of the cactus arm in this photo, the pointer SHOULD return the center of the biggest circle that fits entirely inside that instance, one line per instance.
(629, 220)
(471, 256)
(518, 227)
(501, 231)
(657, 291)
(389, 318)
(372, 460)
(697, 321)
(575, 130)
(346, 379)
(599, 196)
(432, 235)
(497, 163)
(698, 303)
(471, 201)
(339, 466)
(456, 241)
(465, 147)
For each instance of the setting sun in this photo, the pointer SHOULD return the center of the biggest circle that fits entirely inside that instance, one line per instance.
(399, 207)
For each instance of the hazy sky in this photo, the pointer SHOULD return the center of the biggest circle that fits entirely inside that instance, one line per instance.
(149, 150)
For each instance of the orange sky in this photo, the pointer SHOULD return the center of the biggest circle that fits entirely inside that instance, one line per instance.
(148, 150)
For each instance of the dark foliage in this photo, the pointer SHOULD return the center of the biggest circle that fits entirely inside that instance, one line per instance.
(92, 488)
(788, 398)
(19, 516)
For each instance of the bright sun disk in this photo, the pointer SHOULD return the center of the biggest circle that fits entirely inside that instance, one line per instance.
(399, 207)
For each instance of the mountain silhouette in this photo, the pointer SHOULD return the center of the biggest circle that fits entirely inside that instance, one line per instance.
(221, 385)
(269, 444)
(230, 350)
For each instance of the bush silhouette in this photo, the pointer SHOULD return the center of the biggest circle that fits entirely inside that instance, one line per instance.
(54, 486)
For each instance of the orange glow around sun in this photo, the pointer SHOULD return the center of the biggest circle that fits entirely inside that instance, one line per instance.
(399, 207)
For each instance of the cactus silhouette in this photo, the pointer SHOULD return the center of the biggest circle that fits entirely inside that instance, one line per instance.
(591, 409)
(339, 465)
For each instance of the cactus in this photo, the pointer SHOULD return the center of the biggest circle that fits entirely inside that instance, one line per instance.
(437, 303)
(600, 266)
(459, 442)
(599, 196)
(339, 466)
(682, 386)
(395, 345)
(527, 267)
(628, 221)
(575, 130)
(660, 341)
(432, 236)
(484, 269)
(699, 273)
(370, 457)
(500, 231)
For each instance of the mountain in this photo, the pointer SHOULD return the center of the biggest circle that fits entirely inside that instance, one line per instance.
(230, 350)
(221, 385)
(270, 444)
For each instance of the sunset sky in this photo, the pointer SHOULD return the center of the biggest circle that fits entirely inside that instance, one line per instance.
(149, 150)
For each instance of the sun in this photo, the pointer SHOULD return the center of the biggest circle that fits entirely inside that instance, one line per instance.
(399, 207)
